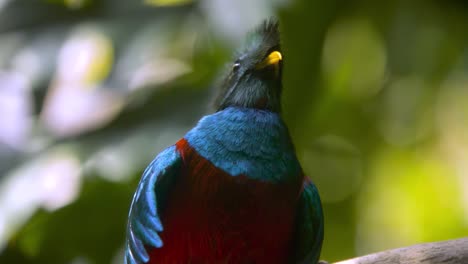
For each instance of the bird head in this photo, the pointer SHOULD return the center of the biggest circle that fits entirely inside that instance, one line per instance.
(253, 80)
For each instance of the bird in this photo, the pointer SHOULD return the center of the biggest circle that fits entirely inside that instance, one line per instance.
(232, 189)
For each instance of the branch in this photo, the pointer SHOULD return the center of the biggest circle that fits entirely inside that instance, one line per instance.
(445, 252)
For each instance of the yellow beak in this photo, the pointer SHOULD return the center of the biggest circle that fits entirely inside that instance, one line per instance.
(272, 59)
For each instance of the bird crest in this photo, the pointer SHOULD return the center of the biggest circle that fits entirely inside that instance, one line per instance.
(264, 38)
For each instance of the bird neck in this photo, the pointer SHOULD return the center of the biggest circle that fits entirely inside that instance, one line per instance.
(245, 141)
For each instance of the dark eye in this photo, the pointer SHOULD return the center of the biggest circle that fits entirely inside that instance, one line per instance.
(236, 66)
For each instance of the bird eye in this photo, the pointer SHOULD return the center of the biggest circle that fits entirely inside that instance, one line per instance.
(236, 66)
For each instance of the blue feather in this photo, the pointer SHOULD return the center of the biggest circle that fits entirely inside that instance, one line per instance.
(144, 222)
(309, 225)
(245, 141)
(137, 246)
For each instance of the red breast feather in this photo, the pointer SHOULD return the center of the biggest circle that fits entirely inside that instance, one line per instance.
(213, 217)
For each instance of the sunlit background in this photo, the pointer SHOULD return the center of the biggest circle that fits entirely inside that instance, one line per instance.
(376, 98)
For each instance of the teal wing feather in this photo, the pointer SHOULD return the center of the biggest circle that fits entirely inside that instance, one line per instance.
(309, 225)
(144, 222)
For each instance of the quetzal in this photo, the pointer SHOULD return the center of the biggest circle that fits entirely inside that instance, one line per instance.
(232, 189)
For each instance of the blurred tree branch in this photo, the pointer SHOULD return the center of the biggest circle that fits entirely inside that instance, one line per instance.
(444, 252)
(23, 15)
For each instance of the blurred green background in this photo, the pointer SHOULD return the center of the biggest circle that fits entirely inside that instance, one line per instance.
(376, 98)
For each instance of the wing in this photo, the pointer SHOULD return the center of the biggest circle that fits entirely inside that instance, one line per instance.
(143, 219)
(309, 225)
